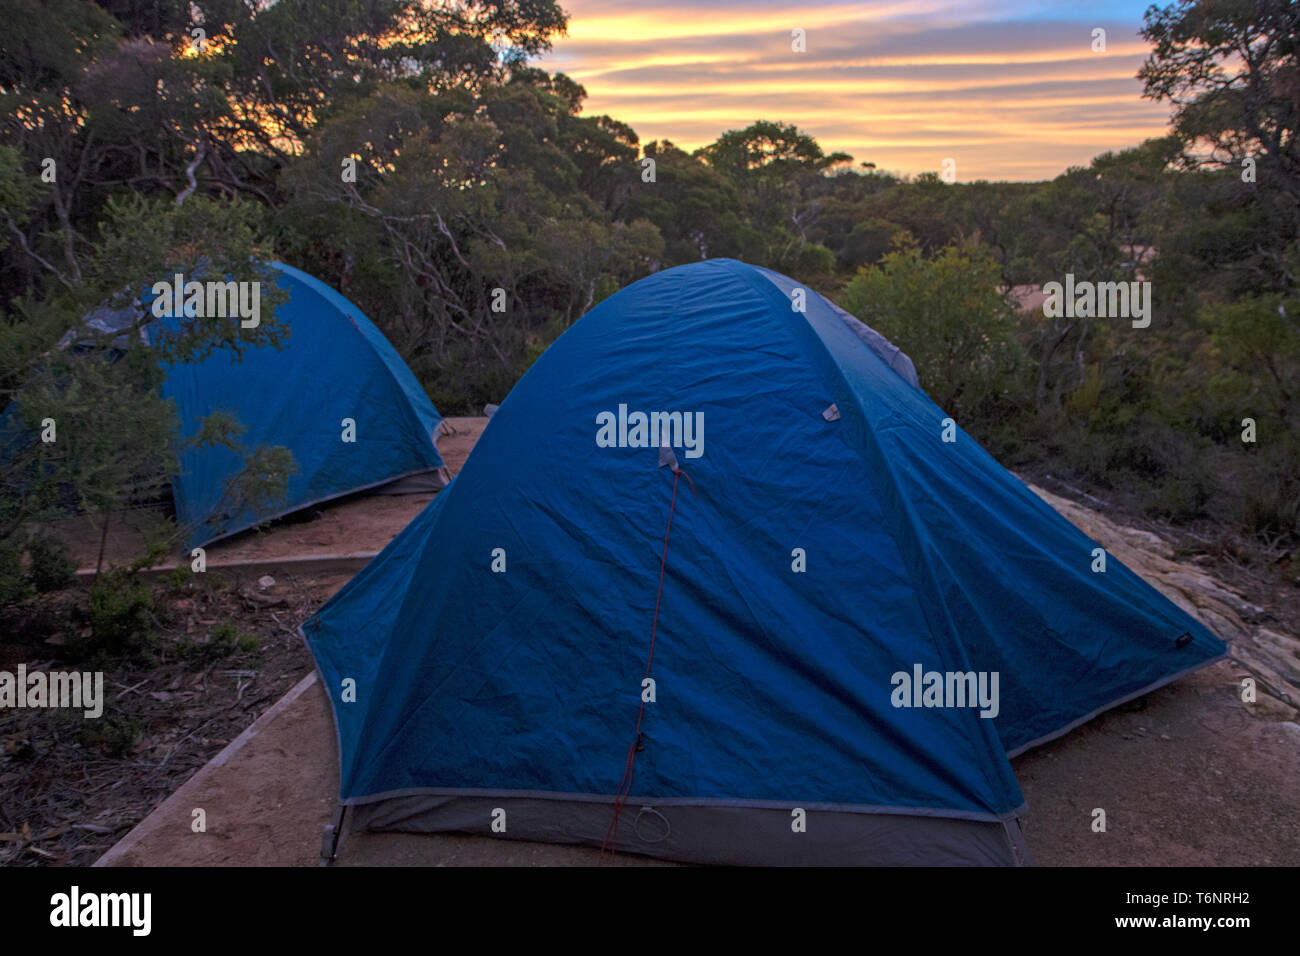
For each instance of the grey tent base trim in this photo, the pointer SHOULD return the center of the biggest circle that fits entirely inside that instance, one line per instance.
(411, 482)
(752, 833)
(1048, 738)
(435, 479)
(713, 833)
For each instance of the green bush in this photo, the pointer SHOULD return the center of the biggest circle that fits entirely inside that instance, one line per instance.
(48, 568)
(116, 736)
(224, 639)
(947, 314)
(179, 579)
(1269, 489)
(14, 585)
(121, 613)
(51, 568)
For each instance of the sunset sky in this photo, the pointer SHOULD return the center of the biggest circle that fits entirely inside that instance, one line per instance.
(1008, 90)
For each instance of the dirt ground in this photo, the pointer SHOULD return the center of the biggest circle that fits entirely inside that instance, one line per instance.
(1189, 780)
(1186, 775)
(70, 787)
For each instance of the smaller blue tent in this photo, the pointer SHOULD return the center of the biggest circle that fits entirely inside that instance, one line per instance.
(334, 365)
(838, 540)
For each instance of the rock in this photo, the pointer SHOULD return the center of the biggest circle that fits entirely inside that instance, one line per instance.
(261, 600)
(1226, 625)
(1281, 651)
(1149, 541)
(1211, 588)
(1267, 707)
(266, 581)
(1271, 656)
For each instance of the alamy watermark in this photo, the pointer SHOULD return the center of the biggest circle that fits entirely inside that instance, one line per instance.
(1102, 300)
(74, 908)
(84, 692)
(922, 688)
(209, 300)
(626, 429)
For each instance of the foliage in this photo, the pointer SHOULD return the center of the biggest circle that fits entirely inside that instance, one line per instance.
(947, 314)
(411, 155)
(120, 614)
(51, 566)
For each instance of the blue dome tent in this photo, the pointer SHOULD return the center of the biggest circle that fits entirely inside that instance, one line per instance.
(719, 568)
(334, 365)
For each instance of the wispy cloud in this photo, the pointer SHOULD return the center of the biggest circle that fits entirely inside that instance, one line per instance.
(1009, 90)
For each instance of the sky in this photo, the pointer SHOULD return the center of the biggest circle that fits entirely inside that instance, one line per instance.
(1009, 90)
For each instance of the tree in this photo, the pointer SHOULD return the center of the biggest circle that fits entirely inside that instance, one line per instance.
(777, 170)
(176, 98)
(696, 208)
(1230, 70)
(454, 195)
(948, 315)
(85, 426)
(766, 151)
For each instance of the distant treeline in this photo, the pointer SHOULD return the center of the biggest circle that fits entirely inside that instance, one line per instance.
(410, 155)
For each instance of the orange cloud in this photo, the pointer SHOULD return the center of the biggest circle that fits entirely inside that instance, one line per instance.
(903, 85)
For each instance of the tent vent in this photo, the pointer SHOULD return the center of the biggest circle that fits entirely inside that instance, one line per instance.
(832, 414)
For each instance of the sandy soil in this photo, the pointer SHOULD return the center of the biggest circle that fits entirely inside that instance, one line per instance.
(1190, 780)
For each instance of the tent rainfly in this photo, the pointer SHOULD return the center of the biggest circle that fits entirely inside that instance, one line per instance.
(337, 395)
(813, 632)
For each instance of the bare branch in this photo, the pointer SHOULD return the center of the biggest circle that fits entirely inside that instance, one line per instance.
(189, 174)
(13, 227)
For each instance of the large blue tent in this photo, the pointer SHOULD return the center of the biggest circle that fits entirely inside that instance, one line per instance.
(845, 576)
(335, 365)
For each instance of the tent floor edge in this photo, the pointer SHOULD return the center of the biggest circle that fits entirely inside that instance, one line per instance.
(716, 834)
